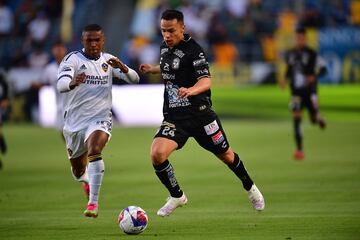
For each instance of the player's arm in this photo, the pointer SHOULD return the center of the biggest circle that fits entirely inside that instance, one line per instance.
(125, 73)
(67, 80)
(148, 68)
(202, 85)
(201, 69)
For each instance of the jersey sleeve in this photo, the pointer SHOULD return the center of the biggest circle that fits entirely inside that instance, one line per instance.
(130, 77)
(200, 63)
(66, 73)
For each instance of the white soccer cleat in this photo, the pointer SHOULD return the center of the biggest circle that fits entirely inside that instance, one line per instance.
(256, 198)
(171, 204)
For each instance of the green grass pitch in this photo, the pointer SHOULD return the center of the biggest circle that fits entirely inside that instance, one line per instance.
(317, 198)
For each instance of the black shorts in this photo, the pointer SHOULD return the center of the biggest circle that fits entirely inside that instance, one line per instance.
(308, 101)
(205, 129)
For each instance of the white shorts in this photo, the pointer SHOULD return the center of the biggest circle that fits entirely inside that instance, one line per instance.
(75, 141)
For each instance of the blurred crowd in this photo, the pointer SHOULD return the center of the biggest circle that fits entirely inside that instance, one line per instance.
(235, 30)
(27, 29)
(230, 31)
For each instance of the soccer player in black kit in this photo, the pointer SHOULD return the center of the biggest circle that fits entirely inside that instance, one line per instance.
(187, 112)
(304, 66)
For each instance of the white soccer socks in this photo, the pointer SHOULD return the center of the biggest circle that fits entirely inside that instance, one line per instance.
(96, 173)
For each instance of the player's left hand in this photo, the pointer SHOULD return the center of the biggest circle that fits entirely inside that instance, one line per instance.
(116, 63)
(184, 92)
(310, 79)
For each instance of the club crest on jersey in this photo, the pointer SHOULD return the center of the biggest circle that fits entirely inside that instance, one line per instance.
(218, 138)
(105, 67)
(176, 63)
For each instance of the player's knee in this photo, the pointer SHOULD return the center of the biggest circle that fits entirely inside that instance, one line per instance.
(94, 150)
(78, 173)
(158, 156)
(297, 115)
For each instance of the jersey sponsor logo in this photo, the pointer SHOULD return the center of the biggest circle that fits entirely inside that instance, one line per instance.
(83, 67)
(167, 76)
(199, 62)
(179, 53)
(173, 96)
(176, 63)
(211, 128)
(218, 138)
(65, 69)
(164, 50)
(96, 80)
(105, 67)
(203, 72)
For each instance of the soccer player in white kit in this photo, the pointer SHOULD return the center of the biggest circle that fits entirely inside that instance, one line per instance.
(85, 79)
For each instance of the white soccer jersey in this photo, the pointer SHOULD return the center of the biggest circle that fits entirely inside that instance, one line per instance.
(91, 100)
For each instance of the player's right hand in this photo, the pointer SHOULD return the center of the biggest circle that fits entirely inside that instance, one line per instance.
(77, 80)
(145, 68)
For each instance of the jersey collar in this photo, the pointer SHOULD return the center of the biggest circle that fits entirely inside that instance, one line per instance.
(88, 57)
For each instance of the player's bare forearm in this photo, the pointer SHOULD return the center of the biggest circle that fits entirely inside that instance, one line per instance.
(201, 86)
(148, 68)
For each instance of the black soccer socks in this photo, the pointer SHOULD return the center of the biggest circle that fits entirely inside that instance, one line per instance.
(298, 133)
(165, 173)
(239, 169)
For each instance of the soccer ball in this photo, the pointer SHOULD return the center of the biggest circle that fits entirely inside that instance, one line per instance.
(133, 220)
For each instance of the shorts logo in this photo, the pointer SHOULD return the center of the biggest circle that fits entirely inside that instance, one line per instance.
(70, 152)
(105, 67)
(218, 138)
(211, 127)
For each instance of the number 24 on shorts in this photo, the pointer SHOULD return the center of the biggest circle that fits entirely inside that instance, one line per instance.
(168, 131)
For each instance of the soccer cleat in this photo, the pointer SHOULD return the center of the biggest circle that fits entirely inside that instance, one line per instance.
(171, 204)
(299, 155)
(322, 124)
(256, 198)
(91, 210)
(86, 188)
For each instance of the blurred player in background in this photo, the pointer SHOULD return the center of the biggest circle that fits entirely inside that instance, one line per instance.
(85, 79)
(304, 66)
(50, 77)
(4, 105)
(187, 112)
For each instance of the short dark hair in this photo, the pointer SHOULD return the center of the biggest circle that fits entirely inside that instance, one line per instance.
(92, 28)
(171, 14)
